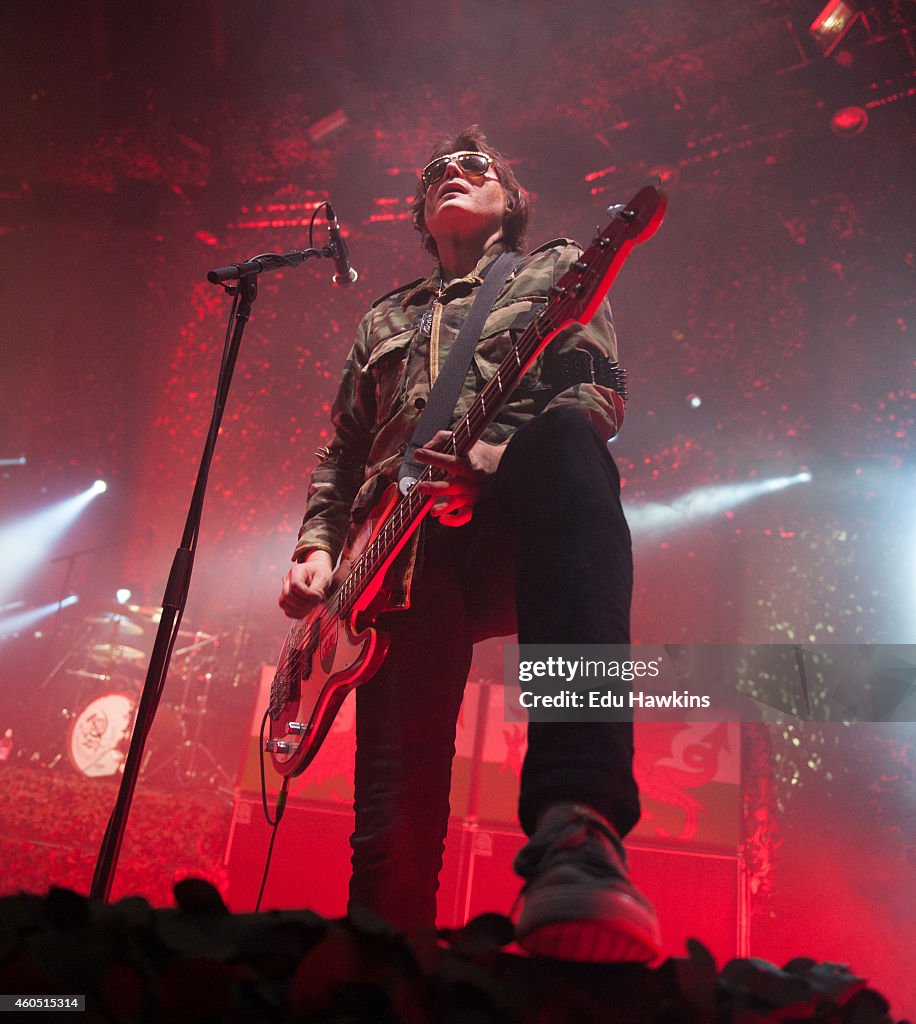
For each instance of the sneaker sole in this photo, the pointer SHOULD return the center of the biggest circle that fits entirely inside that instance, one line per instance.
(588, 942)
(578, 923)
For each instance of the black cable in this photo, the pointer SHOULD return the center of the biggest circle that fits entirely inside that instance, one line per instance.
(281, 803)
(281, 807)
(312, 222)
(281, 799)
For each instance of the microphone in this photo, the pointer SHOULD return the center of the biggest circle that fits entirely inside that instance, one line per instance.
(345, 275)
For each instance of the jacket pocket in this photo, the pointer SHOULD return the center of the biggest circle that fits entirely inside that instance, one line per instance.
(503, 328)
(387, 367)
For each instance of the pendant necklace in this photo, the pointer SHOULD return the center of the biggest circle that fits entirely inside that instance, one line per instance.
(426, 323)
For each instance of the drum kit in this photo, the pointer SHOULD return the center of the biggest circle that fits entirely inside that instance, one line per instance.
(109, 669)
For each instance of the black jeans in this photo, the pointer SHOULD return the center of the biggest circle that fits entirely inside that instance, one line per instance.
(550, 542)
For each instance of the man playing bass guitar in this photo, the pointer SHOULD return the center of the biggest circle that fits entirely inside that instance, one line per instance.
(527, 531)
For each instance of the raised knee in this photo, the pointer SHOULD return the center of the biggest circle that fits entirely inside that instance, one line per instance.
(561, 446)
(563, 426)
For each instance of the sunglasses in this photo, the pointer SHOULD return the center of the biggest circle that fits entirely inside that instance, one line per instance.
(474, 164)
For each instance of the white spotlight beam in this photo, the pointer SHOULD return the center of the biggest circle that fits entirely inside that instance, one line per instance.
(26, 543)
(703, 503)
(13, 624)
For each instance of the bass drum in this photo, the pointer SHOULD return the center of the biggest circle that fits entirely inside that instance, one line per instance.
(100, 734)
(99, 738)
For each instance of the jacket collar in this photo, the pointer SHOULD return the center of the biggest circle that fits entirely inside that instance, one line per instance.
(432, 285)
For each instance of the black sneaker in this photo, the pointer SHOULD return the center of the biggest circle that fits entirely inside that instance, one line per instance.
(577, 902)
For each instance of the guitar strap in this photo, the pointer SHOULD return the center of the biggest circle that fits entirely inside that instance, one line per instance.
(444, 395)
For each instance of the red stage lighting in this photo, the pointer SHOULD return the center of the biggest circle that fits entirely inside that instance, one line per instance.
(849, 121)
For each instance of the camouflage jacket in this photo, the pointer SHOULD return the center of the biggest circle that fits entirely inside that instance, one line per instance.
(392, 366)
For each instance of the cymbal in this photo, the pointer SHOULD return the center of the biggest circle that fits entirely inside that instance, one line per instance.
(199, 640)
(115, 652)
(145, 611)
(119, 622)
(199, 635)
(154, 614)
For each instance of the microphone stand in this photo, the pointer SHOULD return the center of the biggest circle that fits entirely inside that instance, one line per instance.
(179, 580)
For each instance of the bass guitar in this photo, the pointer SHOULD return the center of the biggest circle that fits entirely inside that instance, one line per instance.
(336, 647)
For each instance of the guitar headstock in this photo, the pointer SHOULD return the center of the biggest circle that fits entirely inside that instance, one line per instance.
(581, 289)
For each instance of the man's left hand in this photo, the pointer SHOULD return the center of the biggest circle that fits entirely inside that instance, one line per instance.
(466, 476)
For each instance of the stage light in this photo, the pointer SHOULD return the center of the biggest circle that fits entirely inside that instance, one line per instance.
(13, 624)
(667, 174)
(703, 503)
(99, 487)
(335, 122)
(832, 24)
(122, 596)
(25, 544)
(695, 401)
(848, 122)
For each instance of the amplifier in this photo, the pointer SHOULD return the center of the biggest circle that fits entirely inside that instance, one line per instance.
(698, 894)
(688, 773)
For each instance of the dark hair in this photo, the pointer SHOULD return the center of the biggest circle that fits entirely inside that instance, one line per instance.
(515, 221)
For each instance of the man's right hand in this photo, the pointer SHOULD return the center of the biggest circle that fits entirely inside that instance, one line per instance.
(306, 583)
